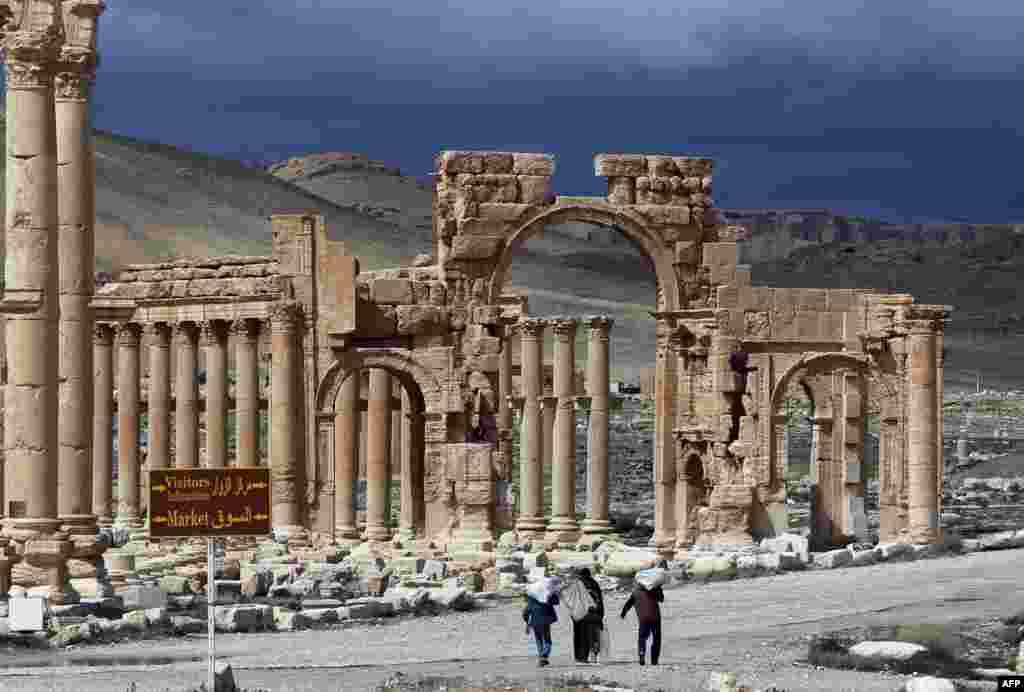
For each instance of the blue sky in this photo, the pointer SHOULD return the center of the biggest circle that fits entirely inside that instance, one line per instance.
(905, 109)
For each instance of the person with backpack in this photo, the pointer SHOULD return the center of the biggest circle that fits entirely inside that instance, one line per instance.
(539, 614)
(586, 632)
(648, 614)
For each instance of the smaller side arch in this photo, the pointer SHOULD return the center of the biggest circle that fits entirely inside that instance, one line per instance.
(426, 392)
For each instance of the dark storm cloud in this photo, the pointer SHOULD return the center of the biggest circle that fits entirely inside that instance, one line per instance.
(808, 103)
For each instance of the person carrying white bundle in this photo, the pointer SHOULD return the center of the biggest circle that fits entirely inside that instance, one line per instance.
(648, 611)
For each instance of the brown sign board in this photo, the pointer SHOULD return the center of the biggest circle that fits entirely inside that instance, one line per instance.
(209, 502)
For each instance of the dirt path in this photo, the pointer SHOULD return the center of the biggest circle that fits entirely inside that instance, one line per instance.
(757, 628)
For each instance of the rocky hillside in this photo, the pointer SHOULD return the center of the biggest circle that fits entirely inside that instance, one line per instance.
(155, 201)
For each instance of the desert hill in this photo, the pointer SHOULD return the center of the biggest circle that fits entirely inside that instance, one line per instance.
(155, 201)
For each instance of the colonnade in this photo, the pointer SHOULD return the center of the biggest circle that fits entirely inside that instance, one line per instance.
(50, 59)
(374, 437)
(175, 347)
(549, 429)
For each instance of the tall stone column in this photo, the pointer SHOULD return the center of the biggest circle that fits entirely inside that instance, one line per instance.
(346, 450)
(378, 437)
(128, 424)
(599, 389)
(922, 417)
(76, 213)
(940, 362)
(548, 411)
(216, 347)
(103, 424)
(407, 510)
(284, 428)
(563, 526)
(530, 523)
(247, 392)
(664, 445)
(31, 302)
(186, 396)
(159, 337)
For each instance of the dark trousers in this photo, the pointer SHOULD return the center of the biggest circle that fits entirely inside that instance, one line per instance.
(542, 633)
(586, 637)
(649, 629)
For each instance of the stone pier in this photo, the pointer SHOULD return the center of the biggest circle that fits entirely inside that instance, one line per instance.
(599, 389)
(76, 212)
(346, 436)
(922, 452)
(186, 410)
(284, 428)
(128, 425)
(103, 424)
(159, 337)
(563, 526)
(31, 304)
(378, 472)
(530, 523)
(216, 347)
(247, 392)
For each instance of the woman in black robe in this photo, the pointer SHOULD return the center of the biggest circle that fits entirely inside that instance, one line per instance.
(586, 633)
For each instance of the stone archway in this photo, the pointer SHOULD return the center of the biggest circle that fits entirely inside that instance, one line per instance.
(837, 385)
(423, 434)
(630, 225)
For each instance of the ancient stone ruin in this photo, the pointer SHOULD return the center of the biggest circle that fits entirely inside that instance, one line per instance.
(426, 352)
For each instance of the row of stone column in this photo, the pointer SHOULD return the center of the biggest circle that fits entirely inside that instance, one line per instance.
(186, 338)
(562, 526)
(384, 442)
(50, 60)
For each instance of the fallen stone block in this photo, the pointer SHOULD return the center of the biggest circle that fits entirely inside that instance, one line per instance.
(434, 569)
(998, 541)
(321, 616)
(135, 620)
(833, 558)
(711, 568)
(887, 651)
(628, 563)
(183, 624)
(67, 635)
(157, 617)
(929, 684)
(509, 565)
(893, 551)
(788, 543)
(143, 598)
(453, 599)
(26, 614)
(747, 566)
(174, 585)
(290, 620)
(970, 545)
(243, 618)
(535, 574)
(860, 558)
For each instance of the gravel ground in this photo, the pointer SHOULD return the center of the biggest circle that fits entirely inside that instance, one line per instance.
(757, 628)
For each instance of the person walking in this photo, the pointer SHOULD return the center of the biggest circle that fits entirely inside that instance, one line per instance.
(586, 632)
(540, 615)
(648, 615)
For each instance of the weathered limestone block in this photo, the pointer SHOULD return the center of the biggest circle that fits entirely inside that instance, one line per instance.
(290, 620)
(419, 319)
(833, 558)
(613, 165)
(665, 214)
(391, 292)
(533, 164)
(628, 563)
(466, 247)
(243, 618)
(859, 558)
(502, 213)
(887, 651)
(534, 189)
(495, 188)
(712, 568)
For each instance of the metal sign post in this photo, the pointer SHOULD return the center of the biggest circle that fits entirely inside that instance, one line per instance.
(210, 503)
(211, 609)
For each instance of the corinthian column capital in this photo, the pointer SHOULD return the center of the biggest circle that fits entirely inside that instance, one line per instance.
(531, 328)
